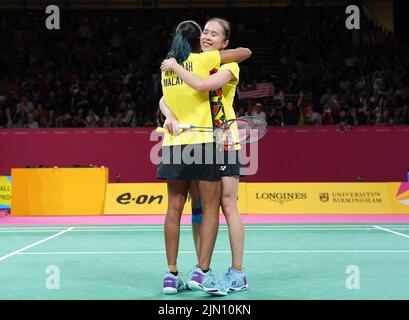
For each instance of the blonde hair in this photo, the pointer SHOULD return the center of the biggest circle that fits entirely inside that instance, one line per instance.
(224, 23)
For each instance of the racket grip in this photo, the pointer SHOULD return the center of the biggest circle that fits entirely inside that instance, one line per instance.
(161, 130)
(184, 126)
(164, 130)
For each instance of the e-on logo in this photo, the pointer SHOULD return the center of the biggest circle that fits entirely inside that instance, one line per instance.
(127, 198)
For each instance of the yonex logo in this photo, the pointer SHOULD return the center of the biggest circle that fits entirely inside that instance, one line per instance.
(222, 168)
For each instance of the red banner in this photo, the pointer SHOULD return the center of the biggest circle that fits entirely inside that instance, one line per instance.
(286, 154)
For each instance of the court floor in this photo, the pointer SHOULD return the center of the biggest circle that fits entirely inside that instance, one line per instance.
(283, 261)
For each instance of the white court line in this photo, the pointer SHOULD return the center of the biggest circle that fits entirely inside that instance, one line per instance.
(391, 231)
(216, 252)
(34, 244)
(262, 226)
(189, 230)
(254, 226)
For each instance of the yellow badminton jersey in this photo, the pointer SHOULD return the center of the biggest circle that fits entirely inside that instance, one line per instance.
(188, 105)
(229, 91)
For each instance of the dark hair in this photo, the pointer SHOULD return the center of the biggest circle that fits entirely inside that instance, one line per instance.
(185, 41)
(224, 23)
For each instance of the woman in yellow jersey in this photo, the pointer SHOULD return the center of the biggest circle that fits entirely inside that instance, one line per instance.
(215, 36)
(191, 106)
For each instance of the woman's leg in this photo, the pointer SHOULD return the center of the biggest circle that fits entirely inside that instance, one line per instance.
(210, 197)
(177, 193)
(197, 214)
(230, 188)
(235, 278)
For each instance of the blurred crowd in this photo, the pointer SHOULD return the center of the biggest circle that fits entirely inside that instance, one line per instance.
(103, 70)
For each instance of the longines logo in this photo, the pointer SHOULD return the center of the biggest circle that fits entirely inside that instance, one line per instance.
(281, 197)
(324, 197)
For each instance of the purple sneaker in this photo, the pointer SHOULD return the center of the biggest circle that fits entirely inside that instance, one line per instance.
(172, 284)
(234, 280)
(206, 282)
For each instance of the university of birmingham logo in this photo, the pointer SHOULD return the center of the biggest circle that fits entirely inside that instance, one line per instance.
(324, 197)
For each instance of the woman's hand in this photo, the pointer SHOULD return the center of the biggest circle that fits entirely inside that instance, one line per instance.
(168, 64)
(172, 125)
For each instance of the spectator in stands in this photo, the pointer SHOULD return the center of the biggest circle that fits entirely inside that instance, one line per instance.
(398, 116)
(316, 117)
(31, 123)
(307, 115)
(370, 118)
(326, 97)
(107, 120)
(290, 114)
(341, 117)
(25, 105)
(258, 111)
(300, 108)
(97, 62)
(78, 121)
(119, 120)
(328, 118)
(385, 119)
(91, 118)
(352, 118)
(273, 118)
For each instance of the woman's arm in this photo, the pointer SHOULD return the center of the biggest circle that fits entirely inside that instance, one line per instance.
(234, 55)
(281, 96)
(215, 81)
(300, 99)
(165, 109)
(171, 123)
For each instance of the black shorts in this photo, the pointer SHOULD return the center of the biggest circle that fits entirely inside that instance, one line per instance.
(200, 164)
(231, 164)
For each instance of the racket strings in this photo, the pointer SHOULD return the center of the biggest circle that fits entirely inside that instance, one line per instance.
(250, 129)
(247, 129)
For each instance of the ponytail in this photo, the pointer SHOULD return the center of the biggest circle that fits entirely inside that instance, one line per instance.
(180, 48)
(185, 41)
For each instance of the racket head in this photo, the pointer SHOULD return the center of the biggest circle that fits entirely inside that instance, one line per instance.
(250, 129)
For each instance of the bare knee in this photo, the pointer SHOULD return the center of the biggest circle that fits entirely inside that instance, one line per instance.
(173, 215)
(229, 206)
